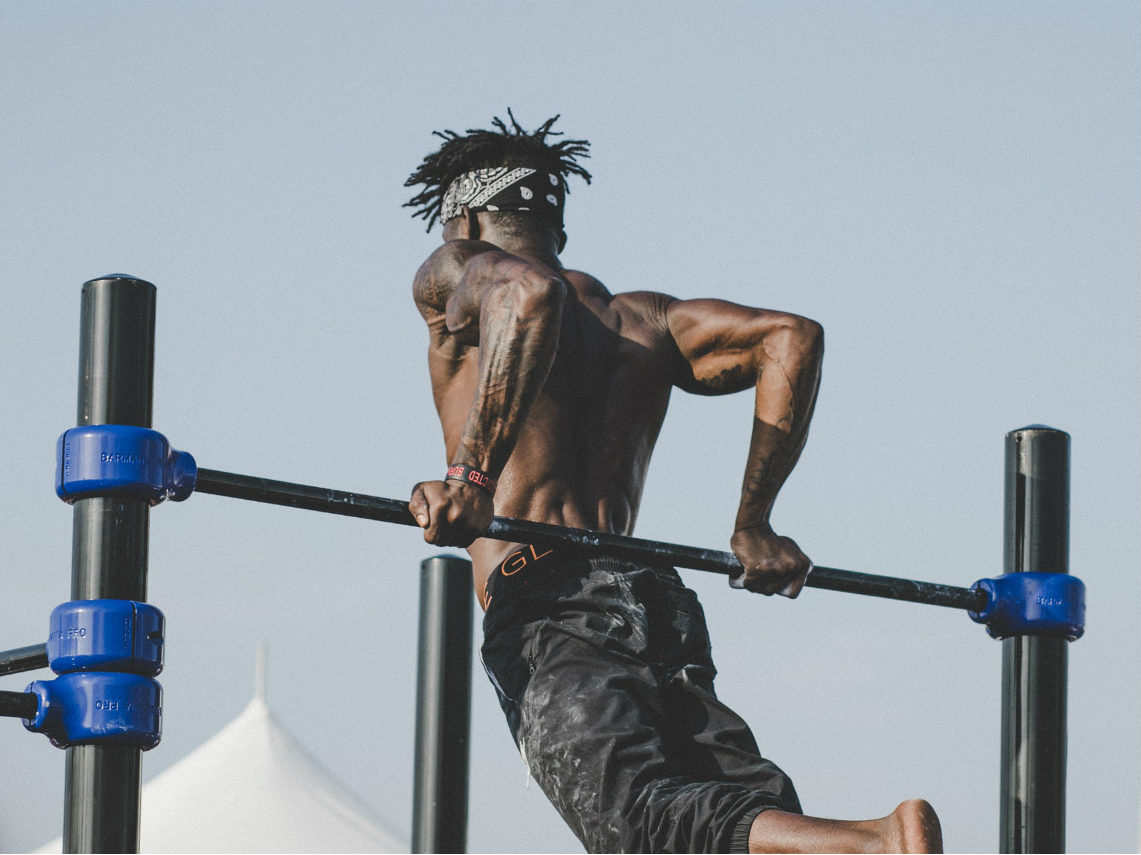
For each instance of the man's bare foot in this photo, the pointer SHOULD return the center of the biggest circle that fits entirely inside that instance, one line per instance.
(911, 827)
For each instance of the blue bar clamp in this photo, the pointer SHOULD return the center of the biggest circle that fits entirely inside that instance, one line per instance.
(98, 708)
(106, 635)
(1033, 604)
(121, 461)
(107, 653)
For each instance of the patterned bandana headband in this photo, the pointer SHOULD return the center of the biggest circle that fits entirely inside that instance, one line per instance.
(505, 188)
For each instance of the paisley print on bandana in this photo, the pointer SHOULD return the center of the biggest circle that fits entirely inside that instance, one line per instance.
(505, 188)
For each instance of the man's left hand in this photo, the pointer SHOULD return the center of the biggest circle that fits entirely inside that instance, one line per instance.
(773, 564)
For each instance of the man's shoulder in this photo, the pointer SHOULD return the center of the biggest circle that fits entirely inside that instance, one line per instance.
(437, 277)
(454, 254)
(585, 284)
(648, 308)
(590, 286)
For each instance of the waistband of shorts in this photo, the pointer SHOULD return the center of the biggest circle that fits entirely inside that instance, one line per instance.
(523, 567)
(534, 565)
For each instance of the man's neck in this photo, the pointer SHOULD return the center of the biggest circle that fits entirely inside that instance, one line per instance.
(532, 251)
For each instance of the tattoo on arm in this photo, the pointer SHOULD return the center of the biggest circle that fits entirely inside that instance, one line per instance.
(786, 397)
(771, 452)
(518, 338)
(727, 380)
(436, 281)
(430, 292)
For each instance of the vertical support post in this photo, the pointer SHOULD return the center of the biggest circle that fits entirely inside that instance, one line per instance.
(1034, 668)
(443, 706)
(109, 544)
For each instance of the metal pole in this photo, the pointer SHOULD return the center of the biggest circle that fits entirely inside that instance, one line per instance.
(1037, 524)
(109, 544)
(443, 706)
(525, 531)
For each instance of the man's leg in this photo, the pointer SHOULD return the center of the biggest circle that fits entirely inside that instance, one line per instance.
(911, 827)
(715, 740)
(633, 760)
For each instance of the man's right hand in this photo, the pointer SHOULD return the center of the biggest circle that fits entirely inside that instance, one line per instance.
(773, 564)
(452, 513)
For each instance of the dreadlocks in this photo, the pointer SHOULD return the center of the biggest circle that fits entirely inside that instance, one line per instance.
(503, 147)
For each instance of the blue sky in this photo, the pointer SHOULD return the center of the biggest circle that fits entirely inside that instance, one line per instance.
(951, 189)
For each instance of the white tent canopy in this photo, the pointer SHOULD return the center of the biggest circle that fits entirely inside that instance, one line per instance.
(253, 788)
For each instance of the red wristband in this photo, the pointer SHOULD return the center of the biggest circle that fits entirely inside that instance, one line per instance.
(459, 472)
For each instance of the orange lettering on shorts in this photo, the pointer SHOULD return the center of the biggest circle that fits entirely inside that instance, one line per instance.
(517, 561)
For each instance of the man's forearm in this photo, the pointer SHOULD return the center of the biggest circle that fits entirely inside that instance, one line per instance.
(765, 472)
(772, 455)
(786, 396)
(519, 336)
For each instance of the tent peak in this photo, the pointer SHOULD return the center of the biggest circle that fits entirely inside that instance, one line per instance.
(260, 669)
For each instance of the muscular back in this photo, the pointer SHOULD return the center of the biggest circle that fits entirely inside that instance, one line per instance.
(582, 452)
(546, 381)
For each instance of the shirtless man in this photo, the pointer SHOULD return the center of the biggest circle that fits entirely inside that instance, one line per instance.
(551, 392)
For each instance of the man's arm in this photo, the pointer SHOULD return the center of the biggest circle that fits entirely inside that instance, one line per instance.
(728, 348)
(475, 295)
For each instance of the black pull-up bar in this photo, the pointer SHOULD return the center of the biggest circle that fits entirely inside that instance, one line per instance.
(541, 534)
(28, 658)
